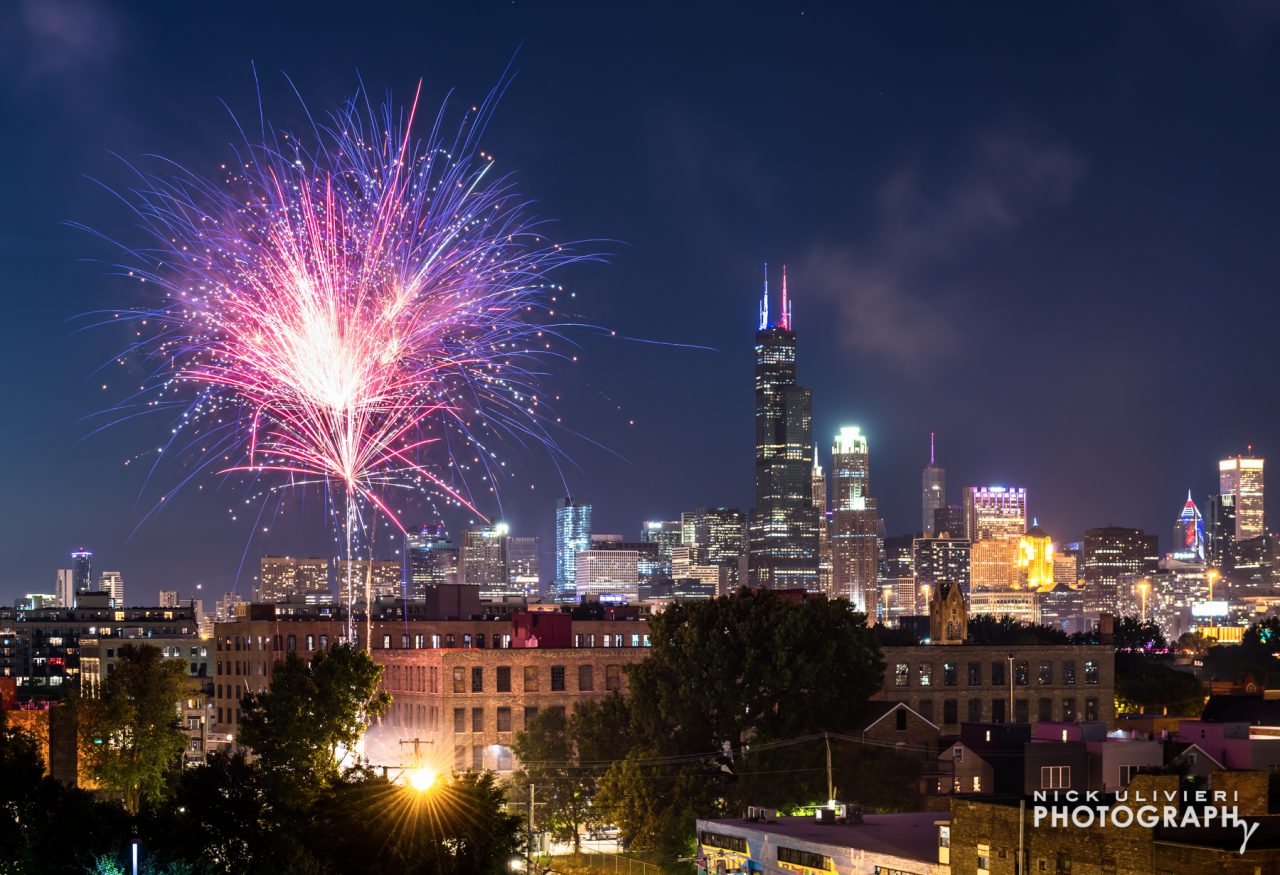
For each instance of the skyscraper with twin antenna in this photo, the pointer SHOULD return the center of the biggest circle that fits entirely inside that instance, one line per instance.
(783, 551)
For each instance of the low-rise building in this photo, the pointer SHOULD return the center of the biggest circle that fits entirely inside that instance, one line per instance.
(462, 684)
(41, 648)
(872, 844)
(950, 684)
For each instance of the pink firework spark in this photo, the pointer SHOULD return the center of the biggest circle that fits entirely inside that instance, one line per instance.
(341, 307)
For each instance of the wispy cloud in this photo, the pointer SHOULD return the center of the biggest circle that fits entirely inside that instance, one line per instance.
(53, 41)
(886, 288)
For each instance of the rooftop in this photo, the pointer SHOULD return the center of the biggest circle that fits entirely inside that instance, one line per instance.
(912, 835)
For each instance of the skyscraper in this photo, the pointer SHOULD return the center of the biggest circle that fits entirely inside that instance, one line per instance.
(1188, 534)
(933, 492)
(522, 564)
(1222, 532)
(483, 560)
(1114, 559)
(818, 484)
(1035, 561)
(995, 512)
(112, 583)
(784, 525)
(66, 588)
(573, 535)
(667, 535)
(855, 535)
(282, 576)
(82, 570)
(430, 558)
(1241, 477)
(939, 560)
(384, 577)
(718, 536)
(949, 520)
(168, 598)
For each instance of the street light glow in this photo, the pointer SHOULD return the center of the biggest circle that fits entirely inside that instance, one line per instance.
(422, 779)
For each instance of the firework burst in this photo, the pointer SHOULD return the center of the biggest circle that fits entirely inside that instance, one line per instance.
(356, 307)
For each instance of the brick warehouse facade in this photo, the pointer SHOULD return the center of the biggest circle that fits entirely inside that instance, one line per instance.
(422, 660)
(469, 704)
(950, 684)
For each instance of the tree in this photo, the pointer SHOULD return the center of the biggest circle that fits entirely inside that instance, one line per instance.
(1134, 634)
(564, 758)
(1008, 632)
(35, 811)
(723, 680)
(310, 710)
(132, 729)
(1147, 685)
(1193, 642)
(364, 824)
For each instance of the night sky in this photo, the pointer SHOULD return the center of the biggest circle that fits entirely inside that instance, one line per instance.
(1047, 233)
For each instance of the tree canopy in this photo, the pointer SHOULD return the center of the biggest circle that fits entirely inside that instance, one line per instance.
(310, 710)
(715, 710)
(132, 729)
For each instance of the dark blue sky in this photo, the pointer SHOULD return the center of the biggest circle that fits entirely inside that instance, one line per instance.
(1047, 233)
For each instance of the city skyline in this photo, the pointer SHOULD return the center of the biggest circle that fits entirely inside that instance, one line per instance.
(900, 284)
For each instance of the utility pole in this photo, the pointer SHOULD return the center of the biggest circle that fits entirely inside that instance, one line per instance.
(831, 790)
(416, 742)
(528, 850)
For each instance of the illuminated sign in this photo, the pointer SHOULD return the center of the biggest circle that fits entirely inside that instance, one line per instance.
(1210, 609)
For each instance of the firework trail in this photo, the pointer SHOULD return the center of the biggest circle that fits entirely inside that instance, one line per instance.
(355, 307)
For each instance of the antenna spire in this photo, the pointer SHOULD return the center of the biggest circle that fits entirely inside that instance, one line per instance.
(764, 300)
(786, 307)
(930, 449)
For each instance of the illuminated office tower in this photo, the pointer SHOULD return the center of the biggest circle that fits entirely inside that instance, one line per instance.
(1115, 558)
(1241, 478)
(606, 573)
(431, 559)
(1066, 568)
(933, 492)
(1188, 534)
(718, 535)
(667, 535)
(995, 512)
(82, 570)
(993, 565)
(522, 564)
(898, 582)
(939, 560)
(282, 576)
(818, 485)
(482, 559)
(382, 575)
(65, 588)
(573, 535)
(1035, 562)
(784, 524)
(112, 583)
(168, 598)
(855, 524)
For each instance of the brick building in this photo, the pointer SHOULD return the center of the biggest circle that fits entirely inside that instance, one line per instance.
(462, 685)
(983, 836)
(469, 704)
(948, 684)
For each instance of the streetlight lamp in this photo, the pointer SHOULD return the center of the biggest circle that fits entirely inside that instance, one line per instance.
(422, 779)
